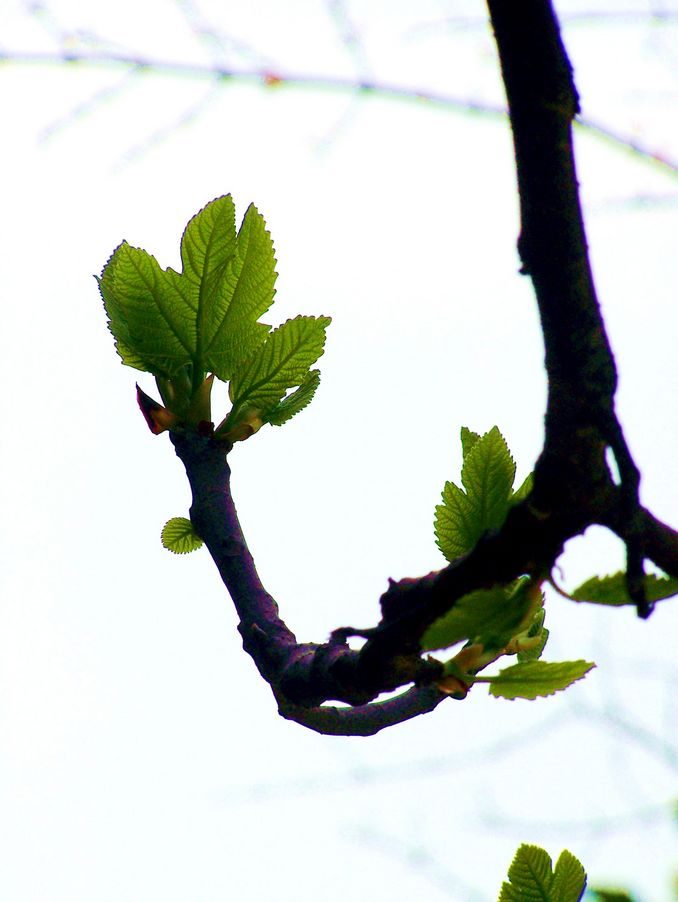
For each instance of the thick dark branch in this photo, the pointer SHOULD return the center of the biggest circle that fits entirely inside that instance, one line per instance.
(581, 422)
(542, 103)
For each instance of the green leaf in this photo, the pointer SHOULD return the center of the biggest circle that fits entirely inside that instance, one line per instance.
(207, 247)
(455, 525)
(490, 616)
(179, 536)
(204, 317)
(611, 590)
(532, 878)
(295, 401)
(532, 679)
(279, 364)
(487, 476)
(471, 614)
(182, 326)
(235, 286)
(569, 879)
(150, 318)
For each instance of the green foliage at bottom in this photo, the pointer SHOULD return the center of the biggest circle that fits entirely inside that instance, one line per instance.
(533, 879)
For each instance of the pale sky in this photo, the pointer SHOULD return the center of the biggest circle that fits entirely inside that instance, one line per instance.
(142, 757)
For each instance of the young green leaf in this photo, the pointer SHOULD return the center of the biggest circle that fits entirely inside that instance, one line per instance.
(487, 477)
(569, 878)
(182, 326)
(532, 878)
(489, 616)
(611, 590)
(280, 363)
(179, 536)
(471, 615)
(533, 679)
(149, 316)
(207, 246)
(235, 286)
(455, 524)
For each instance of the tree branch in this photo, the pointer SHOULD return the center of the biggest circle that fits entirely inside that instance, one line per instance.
(365, 720)
(573, 486)
(302, 675)
(581, 422)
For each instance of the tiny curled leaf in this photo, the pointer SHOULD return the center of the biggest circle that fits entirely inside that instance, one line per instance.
(179, 536)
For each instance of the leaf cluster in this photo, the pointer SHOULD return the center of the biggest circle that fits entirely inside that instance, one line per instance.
(504, 619)
(188, 327)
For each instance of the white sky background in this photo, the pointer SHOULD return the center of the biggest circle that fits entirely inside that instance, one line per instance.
(141, 756)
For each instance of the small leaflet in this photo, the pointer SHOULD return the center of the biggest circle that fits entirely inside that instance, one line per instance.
(280, 363)
(179, 536)
(534, 679)
(455, 524)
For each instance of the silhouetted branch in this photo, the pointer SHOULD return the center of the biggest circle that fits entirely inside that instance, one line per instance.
(364, 720)
(302, 675)
(573, 486)
(581, 422)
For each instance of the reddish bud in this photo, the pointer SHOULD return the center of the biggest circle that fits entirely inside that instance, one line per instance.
(158, 418)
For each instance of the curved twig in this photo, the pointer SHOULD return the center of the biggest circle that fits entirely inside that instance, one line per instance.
(364, 720)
